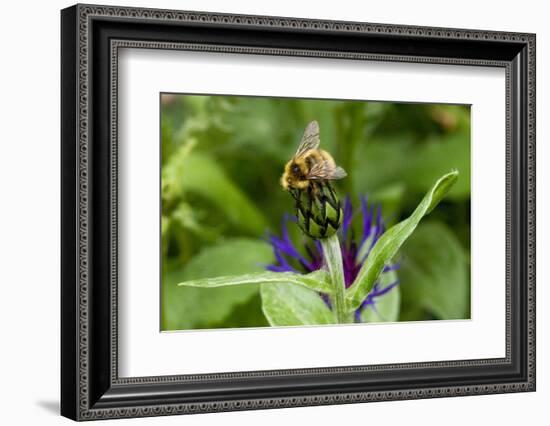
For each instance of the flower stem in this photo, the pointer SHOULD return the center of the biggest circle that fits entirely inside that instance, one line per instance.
(333, 259)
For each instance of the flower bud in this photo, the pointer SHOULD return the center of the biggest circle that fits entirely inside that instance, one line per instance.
(318, 209)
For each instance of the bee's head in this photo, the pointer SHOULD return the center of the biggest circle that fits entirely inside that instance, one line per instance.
(293, 177)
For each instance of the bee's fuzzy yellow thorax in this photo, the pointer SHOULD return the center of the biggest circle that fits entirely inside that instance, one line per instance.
(300, 162)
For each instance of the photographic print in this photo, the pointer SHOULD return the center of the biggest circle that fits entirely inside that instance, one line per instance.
(260, 183)
(308, 212)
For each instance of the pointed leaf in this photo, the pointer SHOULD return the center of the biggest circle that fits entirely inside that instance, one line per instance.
(317, 280)
(286, 304)
(390, 242)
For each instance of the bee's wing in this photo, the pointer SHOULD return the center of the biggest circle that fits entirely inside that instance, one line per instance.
(327, 171)
(310, 139)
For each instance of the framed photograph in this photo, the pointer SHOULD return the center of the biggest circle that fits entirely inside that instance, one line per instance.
(263, 212)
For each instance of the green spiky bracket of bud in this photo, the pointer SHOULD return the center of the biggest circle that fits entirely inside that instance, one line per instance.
(318, 210)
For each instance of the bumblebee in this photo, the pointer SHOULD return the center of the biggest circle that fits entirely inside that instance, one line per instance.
(310, 164)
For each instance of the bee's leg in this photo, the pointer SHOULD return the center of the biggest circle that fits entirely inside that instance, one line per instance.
(330, 189)
(312, 187)
(331, 196)
(310, 195)
(295, 193)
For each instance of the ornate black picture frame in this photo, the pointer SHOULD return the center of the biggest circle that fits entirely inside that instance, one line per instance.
(90, 38)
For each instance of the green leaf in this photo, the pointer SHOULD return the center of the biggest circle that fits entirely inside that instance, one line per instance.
(386, 307)
(200, 174)
(317, 280)
(288, 304)
(191, 307)
(434, 274)
(390, 242)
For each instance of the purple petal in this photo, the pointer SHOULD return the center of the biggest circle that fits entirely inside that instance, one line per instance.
(351, 267)
(366, 219)
(326, 299)
(381, 292)
(392, 267)
(375, 293)
(379, 216)
(369, 229)
(318, 246)
(278, 268)
(316, 257)
(285, 246)
(346, 222)
(283, 263)
(379, 228)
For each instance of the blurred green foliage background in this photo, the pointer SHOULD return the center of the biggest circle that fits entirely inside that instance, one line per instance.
(222, 157)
